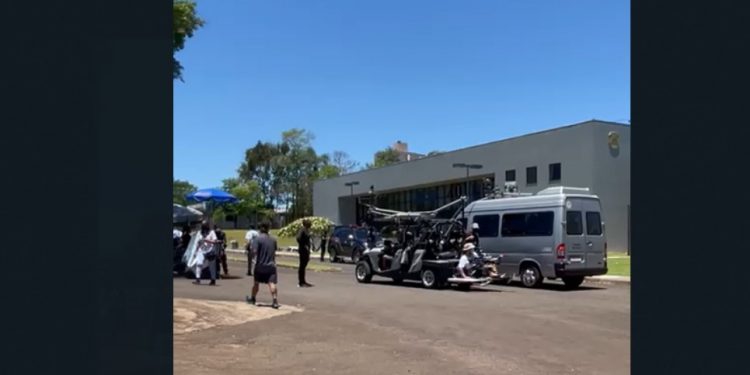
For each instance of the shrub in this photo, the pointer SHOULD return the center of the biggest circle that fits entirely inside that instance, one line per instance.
(319, 227)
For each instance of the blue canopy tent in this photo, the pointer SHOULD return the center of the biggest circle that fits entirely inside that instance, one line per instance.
(211, 197)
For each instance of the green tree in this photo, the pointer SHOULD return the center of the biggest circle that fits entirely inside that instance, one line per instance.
(180, 189)
(261, 165)
(298, 166)
(384, 157)
(433, 153)
(185, 22)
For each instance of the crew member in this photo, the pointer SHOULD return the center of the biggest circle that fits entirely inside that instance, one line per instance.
(304, 241)
(265, 248)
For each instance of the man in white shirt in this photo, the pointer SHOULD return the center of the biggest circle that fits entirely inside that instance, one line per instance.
(250, 236)
(464, 264)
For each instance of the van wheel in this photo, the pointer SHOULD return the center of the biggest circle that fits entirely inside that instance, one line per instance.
(332, 254)
(429, 279)
(531, 277)
(573, 282)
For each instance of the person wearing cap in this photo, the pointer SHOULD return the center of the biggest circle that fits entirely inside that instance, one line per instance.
(464, 264)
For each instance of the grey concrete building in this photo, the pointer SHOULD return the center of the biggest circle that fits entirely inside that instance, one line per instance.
(593, 154)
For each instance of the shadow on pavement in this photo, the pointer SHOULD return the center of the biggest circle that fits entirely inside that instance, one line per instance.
(417, 285)
(556, 287)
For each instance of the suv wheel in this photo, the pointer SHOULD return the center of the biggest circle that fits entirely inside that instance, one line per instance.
(332, 254)
(356, 255)
(531, 277)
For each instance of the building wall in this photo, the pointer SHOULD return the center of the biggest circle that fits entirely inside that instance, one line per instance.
(612, 183)
(576, 147)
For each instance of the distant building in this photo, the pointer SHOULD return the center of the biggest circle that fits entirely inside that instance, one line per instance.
(593, 154)
(402, 149)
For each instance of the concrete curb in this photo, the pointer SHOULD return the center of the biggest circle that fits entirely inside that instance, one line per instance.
(609, 279)
(290, 252)
(289, 266)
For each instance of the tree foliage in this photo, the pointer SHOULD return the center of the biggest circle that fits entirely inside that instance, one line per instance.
(384, 157)
(180, 189)
(320, 226)
(185, 22)
(343, 162)
(285, 171)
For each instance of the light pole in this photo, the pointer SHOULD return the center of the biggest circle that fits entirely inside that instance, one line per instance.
(468, 167)
(351, 185)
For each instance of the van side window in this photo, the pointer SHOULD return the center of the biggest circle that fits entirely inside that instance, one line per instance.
(574, 223)
(530, 224)
(489, 225)
(593, 224)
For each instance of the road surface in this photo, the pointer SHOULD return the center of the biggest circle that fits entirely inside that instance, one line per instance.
(342, 327)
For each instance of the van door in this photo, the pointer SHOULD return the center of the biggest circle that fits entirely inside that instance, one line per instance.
(573, 234)
(595, 236)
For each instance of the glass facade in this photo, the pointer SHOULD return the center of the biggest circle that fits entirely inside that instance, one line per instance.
(426, 198)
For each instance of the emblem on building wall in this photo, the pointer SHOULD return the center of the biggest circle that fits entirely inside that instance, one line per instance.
(614, 140)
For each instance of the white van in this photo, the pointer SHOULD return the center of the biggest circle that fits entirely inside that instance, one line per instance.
(556, 233)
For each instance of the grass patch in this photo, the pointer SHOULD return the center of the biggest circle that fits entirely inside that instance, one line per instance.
(618, 264)
(294, 264)
(239, 236)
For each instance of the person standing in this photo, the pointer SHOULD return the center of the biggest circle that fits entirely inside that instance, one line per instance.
(205, 255)
(323, 243)
(264, 247)
(250, 236)
(473, 235)
(221, 260)
(303, 244)
(182, 248)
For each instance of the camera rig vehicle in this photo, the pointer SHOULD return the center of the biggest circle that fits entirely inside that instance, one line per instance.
(421, 246)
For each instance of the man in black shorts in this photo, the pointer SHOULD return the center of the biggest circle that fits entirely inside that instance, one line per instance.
(264, 248)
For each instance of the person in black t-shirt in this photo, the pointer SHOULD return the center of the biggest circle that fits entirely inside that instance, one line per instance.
(221, 260)
(304, 243)
(323, 244)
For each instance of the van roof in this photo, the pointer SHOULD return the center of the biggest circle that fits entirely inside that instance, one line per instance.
(550, 197)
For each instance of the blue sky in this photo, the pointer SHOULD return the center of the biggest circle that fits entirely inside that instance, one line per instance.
(439, 75)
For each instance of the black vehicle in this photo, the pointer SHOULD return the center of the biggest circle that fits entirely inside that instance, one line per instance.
(349, 242)
(421, 247)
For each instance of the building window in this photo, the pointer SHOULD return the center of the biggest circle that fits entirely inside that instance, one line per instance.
(530, 224)
(510, 176)
(531, 176)
(489, 225)
(555, 172)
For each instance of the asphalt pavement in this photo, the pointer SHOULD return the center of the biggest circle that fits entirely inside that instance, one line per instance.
(346, 327)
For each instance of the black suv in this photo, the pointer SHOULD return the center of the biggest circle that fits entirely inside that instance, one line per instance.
(350, 242)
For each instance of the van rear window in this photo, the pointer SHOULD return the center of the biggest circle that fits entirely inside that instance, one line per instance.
(593, 224)
(529, 224)
(574, 223)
